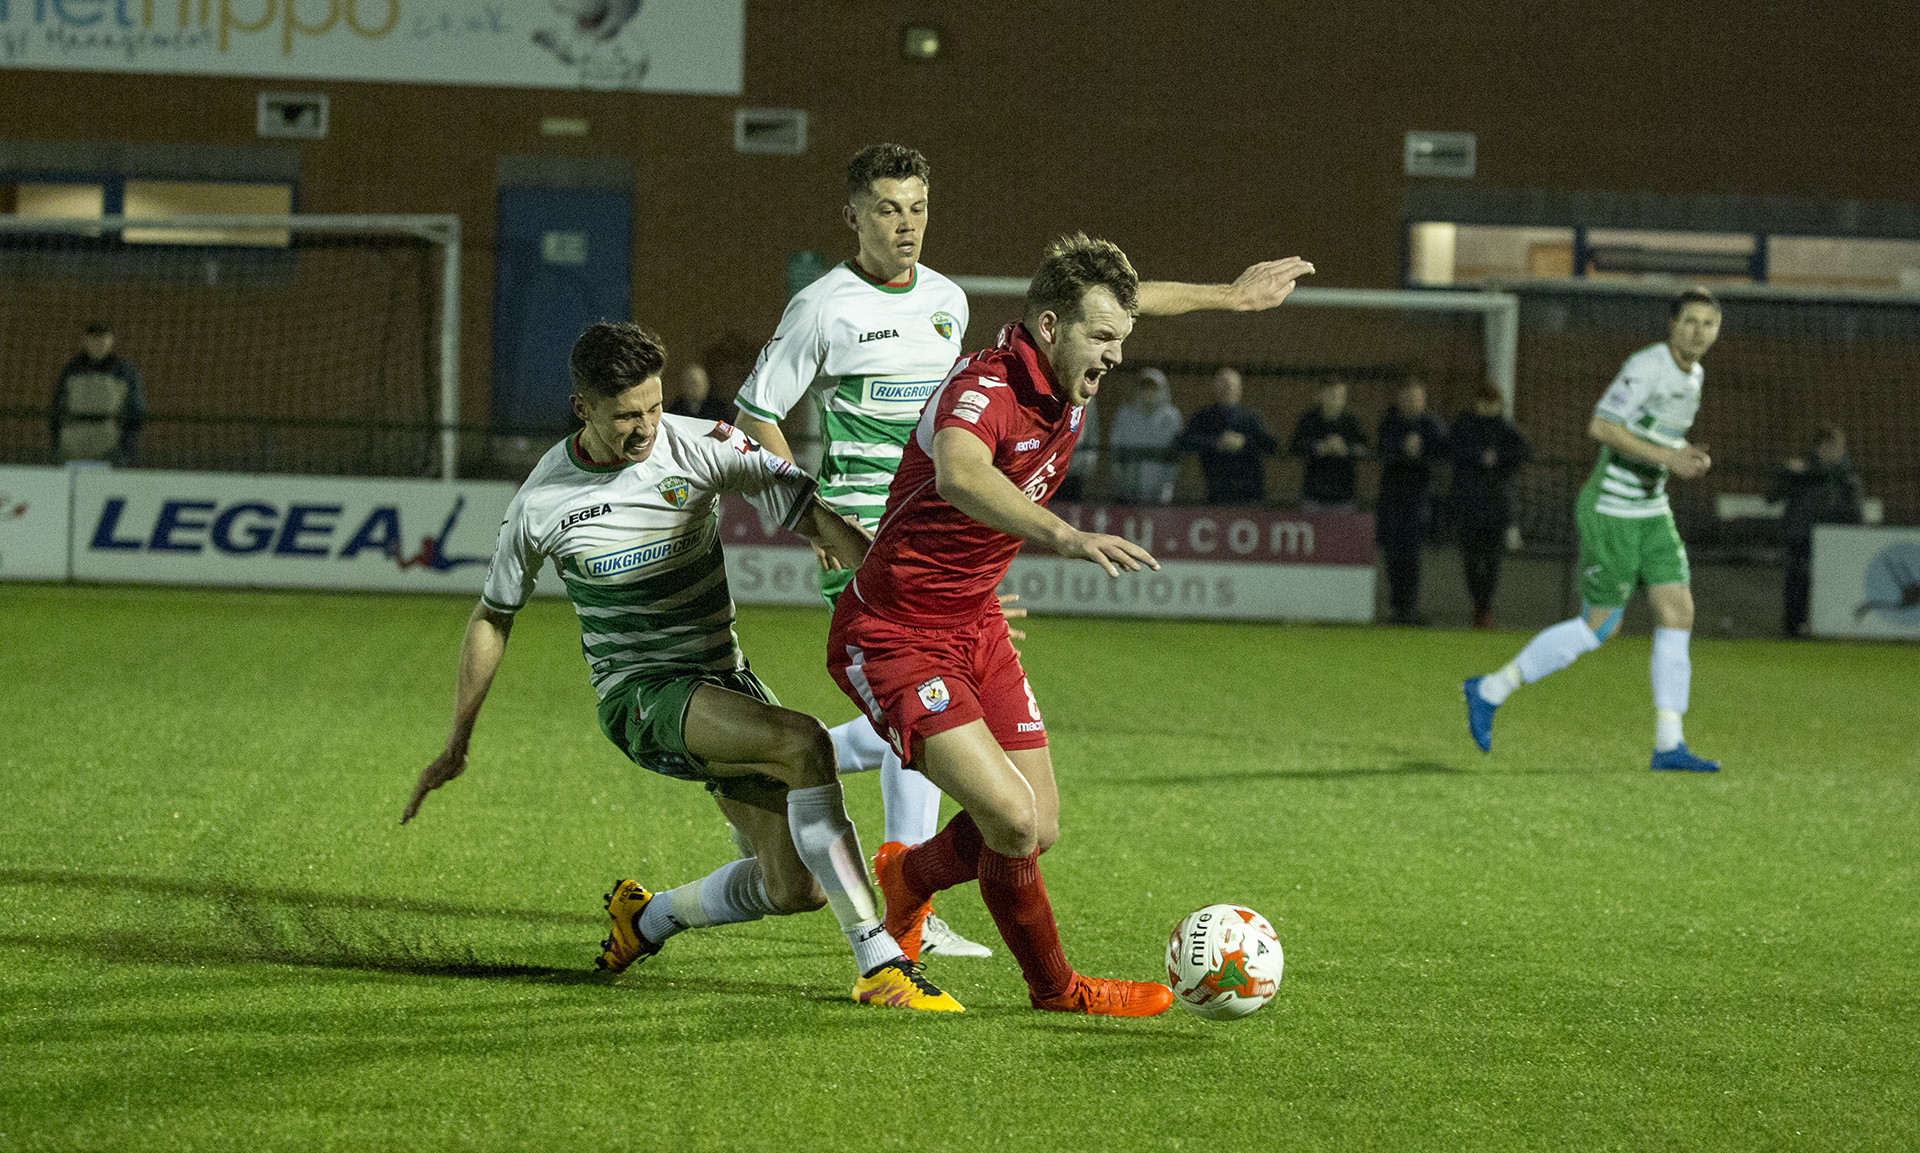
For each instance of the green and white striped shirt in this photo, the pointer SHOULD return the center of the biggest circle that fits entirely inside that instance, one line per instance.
(871, 355)
(1656, 401)
(638, 545)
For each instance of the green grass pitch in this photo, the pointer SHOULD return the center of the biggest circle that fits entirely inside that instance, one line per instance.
(217, 936)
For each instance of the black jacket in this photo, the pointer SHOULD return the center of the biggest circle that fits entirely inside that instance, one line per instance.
(1232, 477)
(1402, 475)
(1328, 479)
(1822, 494)
(1482, 493)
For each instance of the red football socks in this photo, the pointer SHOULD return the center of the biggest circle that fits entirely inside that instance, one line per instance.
(950, 857)
(1017, 898)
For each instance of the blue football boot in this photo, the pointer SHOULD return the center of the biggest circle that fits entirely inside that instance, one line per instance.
(1679, 758)
(1479, 714)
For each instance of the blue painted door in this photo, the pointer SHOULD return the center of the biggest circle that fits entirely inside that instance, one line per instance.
(563, 259)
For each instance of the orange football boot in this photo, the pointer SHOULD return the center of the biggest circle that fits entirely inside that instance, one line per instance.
(1102, 997)
(904, 917)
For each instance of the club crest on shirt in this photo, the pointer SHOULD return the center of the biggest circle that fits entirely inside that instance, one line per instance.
(944, 324)
(934, 695)
(1073, 418)
(677, 489)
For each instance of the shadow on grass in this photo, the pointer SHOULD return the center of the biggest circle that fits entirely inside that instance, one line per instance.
(1093, 1029)
(399, 958)
(213, 921)
(118, 883)
(1403, 769)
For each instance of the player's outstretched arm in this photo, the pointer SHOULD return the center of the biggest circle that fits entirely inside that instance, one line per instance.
(1686, 462)
(765, 432)
(840, 542)
(966, 478)
(480, 653)
(1260, 287)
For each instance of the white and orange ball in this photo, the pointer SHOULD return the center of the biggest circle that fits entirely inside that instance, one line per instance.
(1223, 961)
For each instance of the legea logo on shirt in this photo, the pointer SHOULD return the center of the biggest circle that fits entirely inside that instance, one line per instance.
(901, 392)
(626, 559)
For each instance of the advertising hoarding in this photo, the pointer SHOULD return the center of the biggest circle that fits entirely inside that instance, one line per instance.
(207, 528)
(1227, 563)
(1866, 582)
(33, 523)
(613, 44)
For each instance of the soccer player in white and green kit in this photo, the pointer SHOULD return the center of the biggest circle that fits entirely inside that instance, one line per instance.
(626, 510)
(870, 341)
(1627, 535)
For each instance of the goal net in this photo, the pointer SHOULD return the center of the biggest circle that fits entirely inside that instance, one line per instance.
(317, 344)
(1373, 340)
(1787, 361)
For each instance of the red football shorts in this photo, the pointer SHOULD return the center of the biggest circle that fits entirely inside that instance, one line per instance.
(917, 682)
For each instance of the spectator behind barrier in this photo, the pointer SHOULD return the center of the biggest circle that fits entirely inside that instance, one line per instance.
(1141, 442)
(98, 405)
(1412, 440)
(1232, 442)
(1819, 488)
(1330, 439)
(1487, 450)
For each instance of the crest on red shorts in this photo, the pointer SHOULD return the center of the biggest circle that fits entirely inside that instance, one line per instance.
(934, 695)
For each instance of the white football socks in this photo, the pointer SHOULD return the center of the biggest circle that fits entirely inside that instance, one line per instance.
(911, 802)
(1672, 671)
(732, 893)
(1552, 649)
(830, 848)
(857, 747)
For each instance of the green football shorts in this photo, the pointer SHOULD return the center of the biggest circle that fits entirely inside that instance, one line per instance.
(833, 582)
(1617, 552)
(645, 717)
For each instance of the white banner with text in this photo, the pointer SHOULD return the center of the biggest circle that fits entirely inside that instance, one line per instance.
(33, 523)
(208, 528)
(1866, 582)
(1228, 563)
(616, 44)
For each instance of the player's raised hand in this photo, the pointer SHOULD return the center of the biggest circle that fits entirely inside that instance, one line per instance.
(1268, 283)
(1112, 553)
(448, 765)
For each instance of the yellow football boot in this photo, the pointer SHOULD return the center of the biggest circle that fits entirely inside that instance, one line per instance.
(900, 985)
(625, 945)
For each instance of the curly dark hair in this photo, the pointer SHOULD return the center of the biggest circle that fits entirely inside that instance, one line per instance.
(1072, 265)
(883, 162)
(611, 357)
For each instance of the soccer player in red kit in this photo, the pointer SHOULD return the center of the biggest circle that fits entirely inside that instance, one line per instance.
(921, 645)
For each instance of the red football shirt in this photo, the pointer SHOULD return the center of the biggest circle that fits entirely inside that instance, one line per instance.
(931, 564)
